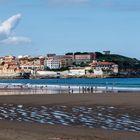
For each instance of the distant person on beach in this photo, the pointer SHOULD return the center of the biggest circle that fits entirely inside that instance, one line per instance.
(69, 89)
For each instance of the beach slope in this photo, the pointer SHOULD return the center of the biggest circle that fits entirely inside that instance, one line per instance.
(10, 130)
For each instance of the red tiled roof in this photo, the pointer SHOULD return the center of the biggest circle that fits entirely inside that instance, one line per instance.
(102, 63)
(105, 63)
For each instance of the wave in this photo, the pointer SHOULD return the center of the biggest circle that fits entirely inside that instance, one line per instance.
(69, 86)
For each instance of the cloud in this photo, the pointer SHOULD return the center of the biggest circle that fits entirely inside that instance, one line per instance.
(6, 31)
(15, 40)
(7, 26)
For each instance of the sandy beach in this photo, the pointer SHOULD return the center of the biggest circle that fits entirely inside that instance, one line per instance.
(114, 99)
(12, 130)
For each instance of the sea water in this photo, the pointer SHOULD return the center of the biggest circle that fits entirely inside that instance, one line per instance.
(116, 84)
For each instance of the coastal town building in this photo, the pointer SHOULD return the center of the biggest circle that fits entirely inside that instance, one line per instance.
(58, 61)
(1, 60)
(30, 67)
(9, 68)
(9, 58)
(31, 63)
(98, 71)
(107, 52)
(70, 55)
(51, 55)
(52, 65)
(109, 67)
(77, 72)
(83, 58)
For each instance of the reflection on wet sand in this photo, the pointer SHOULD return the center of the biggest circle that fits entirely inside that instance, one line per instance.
(107, 117)
(18, 89)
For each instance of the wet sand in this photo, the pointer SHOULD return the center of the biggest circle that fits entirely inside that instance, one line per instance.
(114, 99)
(30, 131)
(24, 131)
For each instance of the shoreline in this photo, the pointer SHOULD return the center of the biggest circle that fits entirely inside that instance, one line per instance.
(114, 99)
(69, 77)
(67, 88)
(75, 85)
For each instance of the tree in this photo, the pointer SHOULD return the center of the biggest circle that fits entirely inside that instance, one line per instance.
(77, 53)
(98, 54)
(69, 53)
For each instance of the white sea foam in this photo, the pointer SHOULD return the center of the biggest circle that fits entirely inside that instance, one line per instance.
(67, 87)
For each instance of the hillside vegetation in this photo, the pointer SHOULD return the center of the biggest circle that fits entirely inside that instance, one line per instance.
(123, 61)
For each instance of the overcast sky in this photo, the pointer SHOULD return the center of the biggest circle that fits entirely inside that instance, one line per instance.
(59, 26)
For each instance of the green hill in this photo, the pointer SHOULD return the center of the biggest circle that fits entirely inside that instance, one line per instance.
(123, 61)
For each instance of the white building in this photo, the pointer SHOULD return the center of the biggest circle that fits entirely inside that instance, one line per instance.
(58, 61)
(77, 72)
(52, 64)
(47, 73)
(105, 66)
(98, 72)
(32, 67)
